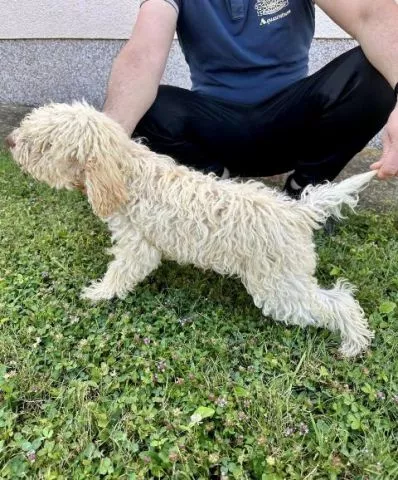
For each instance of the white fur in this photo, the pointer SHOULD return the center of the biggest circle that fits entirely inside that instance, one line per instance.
(157, 209)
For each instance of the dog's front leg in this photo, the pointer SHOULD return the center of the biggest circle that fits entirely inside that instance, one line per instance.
(134, 259)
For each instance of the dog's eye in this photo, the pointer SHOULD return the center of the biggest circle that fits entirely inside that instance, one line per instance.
(46, 146)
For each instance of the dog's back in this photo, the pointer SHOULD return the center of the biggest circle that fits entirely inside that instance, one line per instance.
(196, 218)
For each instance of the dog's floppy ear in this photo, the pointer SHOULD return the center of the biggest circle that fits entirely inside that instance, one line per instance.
(105, 181)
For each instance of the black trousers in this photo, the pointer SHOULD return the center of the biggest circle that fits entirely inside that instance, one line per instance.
(313, 127)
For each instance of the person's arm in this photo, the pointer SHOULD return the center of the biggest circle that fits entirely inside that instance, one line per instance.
(374, 24)
(137, 70)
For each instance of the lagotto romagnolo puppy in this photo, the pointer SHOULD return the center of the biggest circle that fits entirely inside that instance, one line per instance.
(158, 209)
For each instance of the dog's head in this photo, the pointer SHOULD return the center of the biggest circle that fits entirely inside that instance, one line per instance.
(75, 146)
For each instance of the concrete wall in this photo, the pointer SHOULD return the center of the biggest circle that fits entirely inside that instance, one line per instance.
(52, 50)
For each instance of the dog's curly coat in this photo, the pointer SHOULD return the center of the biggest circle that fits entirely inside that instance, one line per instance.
(157, 209)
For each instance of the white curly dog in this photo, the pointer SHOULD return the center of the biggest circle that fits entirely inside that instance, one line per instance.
(158, 209)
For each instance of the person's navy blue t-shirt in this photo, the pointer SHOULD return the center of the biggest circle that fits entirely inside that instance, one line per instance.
(245, 50)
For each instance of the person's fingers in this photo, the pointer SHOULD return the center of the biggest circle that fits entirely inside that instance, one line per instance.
(376, 165)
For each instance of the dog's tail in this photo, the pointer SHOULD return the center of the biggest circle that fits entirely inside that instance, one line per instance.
(322, 201)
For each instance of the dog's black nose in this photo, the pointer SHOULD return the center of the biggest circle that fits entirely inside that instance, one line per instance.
(9, 141)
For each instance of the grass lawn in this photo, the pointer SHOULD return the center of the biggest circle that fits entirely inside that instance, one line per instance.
(184, 379)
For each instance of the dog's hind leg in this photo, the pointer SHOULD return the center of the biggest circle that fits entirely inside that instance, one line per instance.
(335, 310)
(300, 301)
(284, 299)
(340, 311)
(134, 259)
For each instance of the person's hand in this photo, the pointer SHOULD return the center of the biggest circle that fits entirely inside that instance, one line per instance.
(387, 166)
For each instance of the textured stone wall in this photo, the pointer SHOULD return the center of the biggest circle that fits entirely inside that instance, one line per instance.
(37, 71)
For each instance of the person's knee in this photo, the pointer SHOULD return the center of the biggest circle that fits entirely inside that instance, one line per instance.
(377, 94)
(356, 83)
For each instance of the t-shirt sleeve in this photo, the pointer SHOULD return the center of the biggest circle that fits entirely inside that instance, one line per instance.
(174, 3)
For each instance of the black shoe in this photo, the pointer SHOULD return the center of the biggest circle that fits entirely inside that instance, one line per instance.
(218, 170)
(294, 193)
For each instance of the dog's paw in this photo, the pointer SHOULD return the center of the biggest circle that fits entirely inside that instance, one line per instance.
(353, 347)
(97, 292)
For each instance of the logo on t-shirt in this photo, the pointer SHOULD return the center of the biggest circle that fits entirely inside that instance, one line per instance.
(265, 8)
(268, 7)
